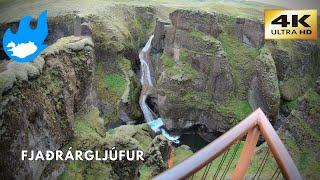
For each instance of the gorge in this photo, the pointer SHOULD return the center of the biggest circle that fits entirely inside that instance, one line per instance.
(152, 77)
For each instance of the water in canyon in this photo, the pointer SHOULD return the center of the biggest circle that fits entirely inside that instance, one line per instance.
(156, 124)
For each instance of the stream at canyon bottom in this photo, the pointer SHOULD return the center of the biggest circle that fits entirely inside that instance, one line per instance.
(156, 124)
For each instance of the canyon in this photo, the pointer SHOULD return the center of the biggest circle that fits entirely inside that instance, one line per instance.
(148, 78)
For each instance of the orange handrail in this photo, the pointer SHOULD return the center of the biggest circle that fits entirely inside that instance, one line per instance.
(253, 125)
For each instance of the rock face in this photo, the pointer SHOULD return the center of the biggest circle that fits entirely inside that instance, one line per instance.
(303, 124)
(52, 87)
(195, 21)
(193, 72)
(264, 90)
(250, 32)
(297, 65)
(158, 155)
(159, 37)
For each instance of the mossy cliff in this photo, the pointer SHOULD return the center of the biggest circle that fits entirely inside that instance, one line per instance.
(203, 73)
(90, 136)
(216, 73)
(52, 88)
(118, 40)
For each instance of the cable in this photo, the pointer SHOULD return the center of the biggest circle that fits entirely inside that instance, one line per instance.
(206, 171)
(275, 172)
(220, 164)
(262, 164)
(231, 160)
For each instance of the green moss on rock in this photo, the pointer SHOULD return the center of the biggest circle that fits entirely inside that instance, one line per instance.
(295, 87)
(237, 109)
(179, 70)
(90, 123)
(115, 82)
(241, 59)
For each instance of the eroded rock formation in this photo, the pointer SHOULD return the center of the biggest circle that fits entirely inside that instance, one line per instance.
(52, 88)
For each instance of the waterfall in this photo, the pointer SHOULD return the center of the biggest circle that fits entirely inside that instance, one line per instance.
(156, 125)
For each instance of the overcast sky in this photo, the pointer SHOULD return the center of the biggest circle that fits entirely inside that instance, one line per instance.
(294, 4)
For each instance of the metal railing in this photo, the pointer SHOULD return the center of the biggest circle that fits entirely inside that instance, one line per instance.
(252, 126)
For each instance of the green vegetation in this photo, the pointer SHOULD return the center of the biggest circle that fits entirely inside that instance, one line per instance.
(51, 82)
(115, 83)
(300, 156)
(73, 170)
(202, 36)
(145, 172)
(294, 87)
(313, 100)
(180, 70)
(236, 9)
(304, 143)
(292, 104)
(237, 109)
(241, 59)
(182, 153)
(111, 86)
(90, 123)
(198, 100)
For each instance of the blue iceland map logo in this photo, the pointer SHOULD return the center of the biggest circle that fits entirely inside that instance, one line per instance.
(27, 43)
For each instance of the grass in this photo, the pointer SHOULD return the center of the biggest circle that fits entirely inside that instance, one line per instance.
(292, 104)
(199, 100)
(73, 170)
(239, 109)
(145, 172)
(110, 87)
(180, 70)
(182, 154)
(89, 123)
(202, 36)
(293, 87)
(115, 82)
(313, 99)
(241, 59)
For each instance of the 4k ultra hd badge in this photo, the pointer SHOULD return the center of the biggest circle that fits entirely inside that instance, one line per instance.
(290, 24)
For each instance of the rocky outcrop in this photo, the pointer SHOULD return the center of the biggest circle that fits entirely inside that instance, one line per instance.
(193, 73)
(297, 66)
(282, 61)
(158, 155)
(264, 89)
(159, 35)
(53, 87)
(303, 121)
(195, 20)
(250, 32)
(127, 137)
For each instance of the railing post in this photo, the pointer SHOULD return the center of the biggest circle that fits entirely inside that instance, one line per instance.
(246, 154)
